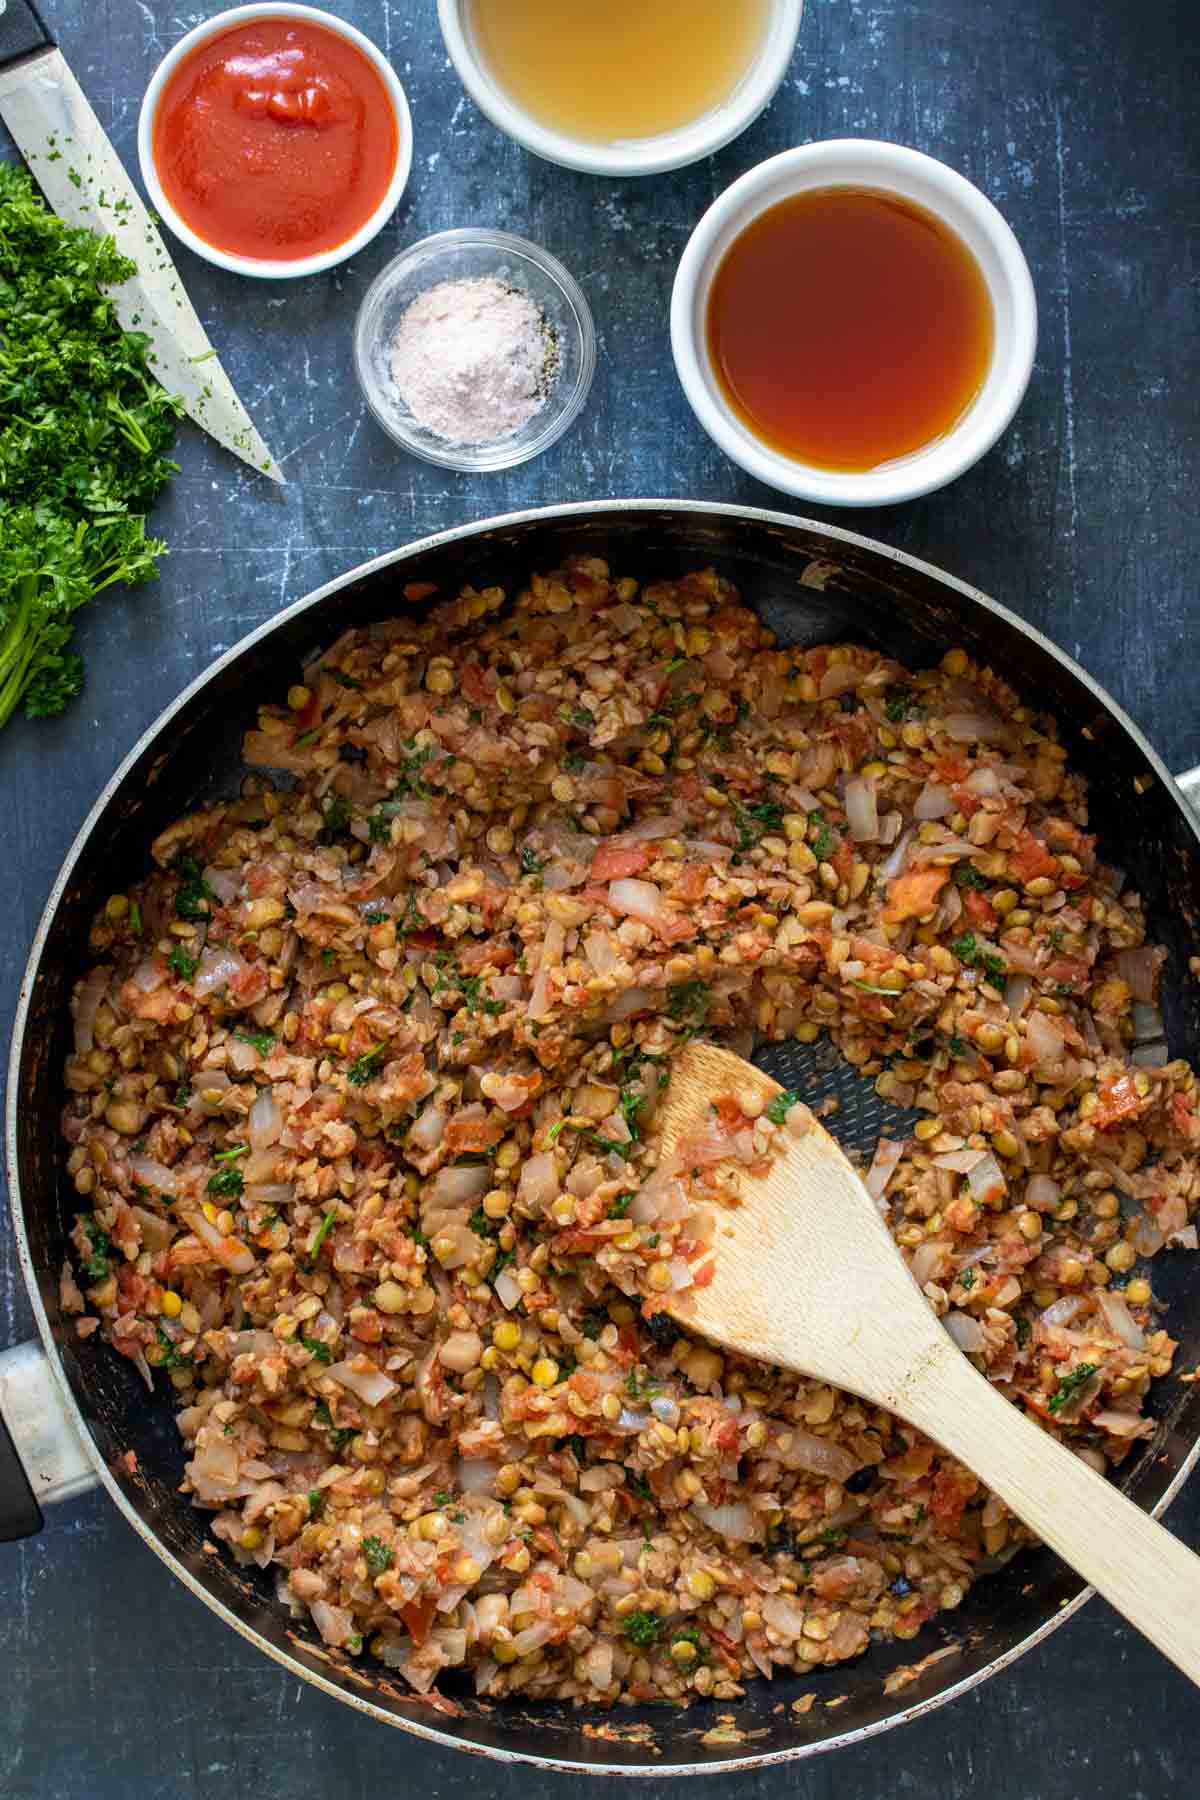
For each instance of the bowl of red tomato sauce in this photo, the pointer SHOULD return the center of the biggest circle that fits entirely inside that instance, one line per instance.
(275, 140)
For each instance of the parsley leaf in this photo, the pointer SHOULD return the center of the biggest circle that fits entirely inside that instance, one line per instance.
(779, 1107)
(262, 1041)
(98, 1265)
(688, 1003)
(822, 843)
(191, 902)
(1070, 1385)
(171, 1357)
(181, 963)
(316, 1348)
(966, 875)
(378, 1556)
(642, 1628)
(366, 1067)
(323, 1231)
(227, 1182)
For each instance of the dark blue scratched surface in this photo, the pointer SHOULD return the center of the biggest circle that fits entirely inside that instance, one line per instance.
(1079, 117)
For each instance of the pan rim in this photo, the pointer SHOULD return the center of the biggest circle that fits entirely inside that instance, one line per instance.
(582, 510)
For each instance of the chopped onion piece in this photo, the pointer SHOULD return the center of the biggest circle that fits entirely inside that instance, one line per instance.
(817, 1456)
(966, 1332)
(149, 975)
(457, 1186)
(862, 815)
(933, 802)
(371, 1385)
(1147, 1022)
(1017, 990)
(888, 1152)
(735, 1521)
(1042, 1192)
(508, 1293)
(986, 1180)
(215, 969)
(975, 728)
(959, 1162)
(1119, 1319)
(1139, 968)
(264, 1123)
(87, 1005)
(151, 1174)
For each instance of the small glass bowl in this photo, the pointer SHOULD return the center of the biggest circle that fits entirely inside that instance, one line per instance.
(473, 254)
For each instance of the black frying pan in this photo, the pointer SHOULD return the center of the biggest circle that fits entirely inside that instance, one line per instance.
(810, 582)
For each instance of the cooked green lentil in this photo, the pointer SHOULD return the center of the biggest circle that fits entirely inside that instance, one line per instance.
(364, 1118)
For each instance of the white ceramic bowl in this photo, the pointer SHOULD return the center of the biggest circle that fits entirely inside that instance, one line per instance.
(646, 156)
(886, 168)
(274, 268)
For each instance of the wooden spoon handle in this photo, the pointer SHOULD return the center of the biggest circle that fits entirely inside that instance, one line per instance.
(1148, 1575)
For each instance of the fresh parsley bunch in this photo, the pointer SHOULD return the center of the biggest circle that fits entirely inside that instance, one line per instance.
(84, 427)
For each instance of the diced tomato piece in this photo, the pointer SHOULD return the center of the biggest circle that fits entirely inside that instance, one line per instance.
(950, 768)
(418, 1617)
(1068, 970)
(617, 862)
(978, 908)
(1118, 1099)
(952, 1488)
(729, 1112)
(419, 590)
(545, 1540)
(474, 687)
(914, 894)
(1183, 1115)
(692, 882)
(1029, 859)
(481, 956)
(474, 1134)
(843, 860)
(704, 1275)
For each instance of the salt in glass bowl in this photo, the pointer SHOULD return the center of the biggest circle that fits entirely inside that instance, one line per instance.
(470, 254)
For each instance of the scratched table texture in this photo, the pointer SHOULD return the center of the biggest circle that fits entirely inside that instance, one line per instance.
(1080, 120)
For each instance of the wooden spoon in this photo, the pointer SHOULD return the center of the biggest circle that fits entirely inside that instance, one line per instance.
(807, 1276)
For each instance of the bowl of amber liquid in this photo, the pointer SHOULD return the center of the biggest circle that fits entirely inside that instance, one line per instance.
(854, 323)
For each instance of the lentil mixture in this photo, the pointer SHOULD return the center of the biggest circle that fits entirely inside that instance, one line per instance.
(362, 1110)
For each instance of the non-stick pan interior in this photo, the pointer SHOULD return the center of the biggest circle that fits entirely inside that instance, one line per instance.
(810, 584)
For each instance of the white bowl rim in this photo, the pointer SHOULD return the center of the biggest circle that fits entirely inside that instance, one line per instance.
(649, 156)
(481, 460)
(275, 268)
(864, 163)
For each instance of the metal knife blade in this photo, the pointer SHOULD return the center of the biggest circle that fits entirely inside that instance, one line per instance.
(82, 177)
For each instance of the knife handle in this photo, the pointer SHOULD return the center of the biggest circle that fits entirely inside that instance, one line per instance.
(21, 31)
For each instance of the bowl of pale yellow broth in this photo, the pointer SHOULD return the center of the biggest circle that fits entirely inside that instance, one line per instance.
(625, 88)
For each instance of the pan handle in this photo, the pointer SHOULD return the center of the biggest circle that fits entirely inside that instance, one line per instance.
(1189, 786)
(41, 1456)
